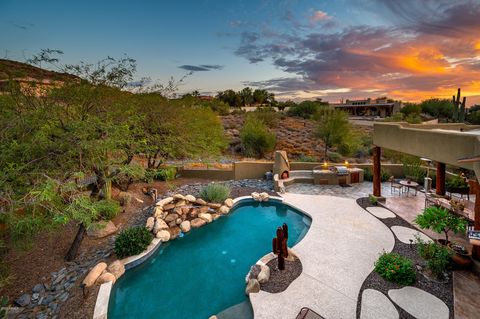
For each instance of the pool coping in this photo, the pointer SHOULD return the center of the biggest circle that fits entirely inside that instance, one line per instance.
(103, 297)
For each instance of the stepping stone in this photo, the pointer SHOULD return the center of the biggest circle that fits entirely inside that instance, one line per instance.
(381, 212)
(419, 303)
(377, 305)
(404, 234)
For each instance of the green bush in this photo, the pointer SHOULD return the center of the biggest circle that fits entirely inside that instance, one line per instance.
(265, 114)
(393, 267)
(306, 109)
(440, 220)
(373, 200)
(132, 241)
(128, 174)
(456, 182)
(256, 138)
(306, 159)
(412, 167)
(215, 193)
(161, 174)
(334, 157)
(437, 256)
(368, 175)
(107, 209)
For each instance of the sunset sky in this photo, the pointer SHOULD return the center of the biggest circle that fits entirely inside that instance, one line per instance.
(409, 49)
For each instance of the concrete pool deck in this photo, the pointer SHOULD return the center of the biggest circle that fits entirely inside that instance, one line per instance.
(337, 253)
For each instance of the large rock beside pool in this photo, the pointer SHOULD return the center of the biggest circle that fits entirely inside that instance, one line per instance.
(256, 196)
(159, 213)
(224, 210)
(169, 207)
(163, 235)
(200, 201)
(165, 201)
(160, 224)
(150, 223)
(253, 286)
(214, 205)
(102, 229)
(206, 217)
(190, 198)
(94, 274)
(174, 232)
(179, 197)
(171, 218)
(197, 222)
(264, 197)
(193, 213)
(117, 268)
(264, 274)
(185, 226)
(228, 202)
(203, 209)
(106, 277)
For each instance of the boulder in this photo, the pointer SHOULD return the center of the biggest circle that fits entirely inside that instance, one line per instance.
(23, 300)
(181, 203)
(255, 196)
(197, 222)
(150, 223)
(173, 223)
(228, 202)
(214, 205)
(213, 317)
(174, 232)
(179, 197)
(117, 268)
(194, 212)
(190, 198)
(264, 197)
(253, 286)
(160, 224)
(200, 201)
(163, 235)
(164, 201)
(178, 221)
(203, 209)
(169, 206)
(264, 274)
(102, 229)
(184, 210)
(216, 216)
(106, 277)
(206, 217)
(171, 217)
(185, 226)
(159, 213)
(224, 210)
(94, 274)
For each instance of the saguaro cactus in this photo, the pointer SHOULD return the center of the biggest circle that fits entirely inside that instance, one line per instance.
(459, 108)
(279, 245)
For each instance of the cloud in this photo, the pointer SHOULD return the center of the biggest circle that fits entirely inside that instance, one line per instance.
(426, 51)
(201, 67)
(319, 15)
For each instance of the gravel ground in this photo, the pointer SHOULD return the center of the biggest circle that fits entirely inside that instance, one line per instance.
(279, 279)
(443, 291)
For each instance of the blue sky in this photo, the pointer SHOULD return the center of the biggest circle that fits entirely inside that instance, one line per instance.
(298, 49)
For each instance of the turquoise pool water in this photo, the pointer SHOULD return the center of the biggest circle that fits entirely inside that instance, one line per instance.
(203, 272)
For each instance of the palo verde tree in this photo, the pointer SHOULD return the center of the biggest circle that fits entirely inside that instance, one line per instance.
(333, 128)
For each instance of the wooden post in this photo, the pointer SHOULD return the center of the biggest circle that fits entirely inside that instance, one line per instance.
(377, 179)
(475, 186)
(440, 184)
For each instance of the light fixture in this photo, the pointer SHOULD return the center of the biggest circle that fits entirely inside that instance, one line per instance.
(325, 164)
(346, 163)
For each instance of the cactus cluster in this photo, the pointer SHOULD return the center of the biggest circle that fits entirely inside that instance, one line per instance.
(280, 247)
(459, 108)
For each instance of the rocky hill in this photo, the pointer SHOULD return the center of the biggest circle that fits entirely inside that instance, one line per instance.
(18, 70)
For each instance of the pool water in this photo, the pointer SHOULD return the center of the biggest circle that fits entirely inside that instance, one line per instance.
(203, 272)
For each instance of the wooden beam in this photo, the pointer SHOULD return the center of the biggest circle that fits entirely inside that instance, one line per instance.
(475, 187)
(440, 183)
(377, 178)
(469, 159)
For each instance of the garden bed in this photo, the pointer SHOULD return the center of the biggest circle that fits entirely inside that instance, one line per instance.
(443, 291)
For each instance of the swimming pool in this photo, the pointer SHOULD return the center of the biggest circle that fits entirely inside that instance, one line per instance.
(203, 272)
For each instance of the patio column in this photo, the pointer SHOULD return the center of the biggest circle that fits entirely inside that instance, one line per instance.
(377, 186)
(440, 184)
(475, 186)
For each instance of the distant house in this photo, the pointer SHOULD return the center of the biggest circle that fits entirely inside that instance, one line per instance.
(382, 107)
(206, 97)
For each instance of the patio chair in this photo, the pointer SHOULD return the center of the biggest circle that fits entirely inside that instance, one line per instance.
(395, 186)
(307, 313)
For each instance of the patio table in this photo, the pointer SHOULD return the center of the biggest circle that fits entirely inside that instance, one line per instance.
(409, 184)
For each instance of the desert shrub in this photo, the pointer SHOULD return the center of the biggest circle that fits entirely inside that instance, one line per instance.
(267, 115)
(368, 175)
(306, 159)
(306, 109)
(132, 241)
(437, 256)
(215, 193)
(373, 200)
(412, 167)
(128, 174)
(107, 209)
(396, 268)
(440, 220)
(124, 198)
(219, 107)
(456, 182)
(161, 174)
(334, 157)
(256, 138)
(397, 117)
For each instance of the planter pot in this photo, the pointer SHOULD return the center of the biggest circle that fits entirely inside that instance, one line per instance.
(462, 259)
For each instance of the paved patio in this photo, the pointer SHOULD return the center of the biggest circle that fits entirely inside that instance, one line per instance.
(354, 191)
(336, 260)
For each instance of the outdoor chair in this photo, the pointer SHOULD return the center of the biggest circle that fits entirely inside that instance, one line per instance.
(394, 185)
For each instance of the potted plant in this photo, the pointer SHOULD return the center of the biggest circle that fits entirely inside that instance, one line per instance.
(462, 257)
(441, 220)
